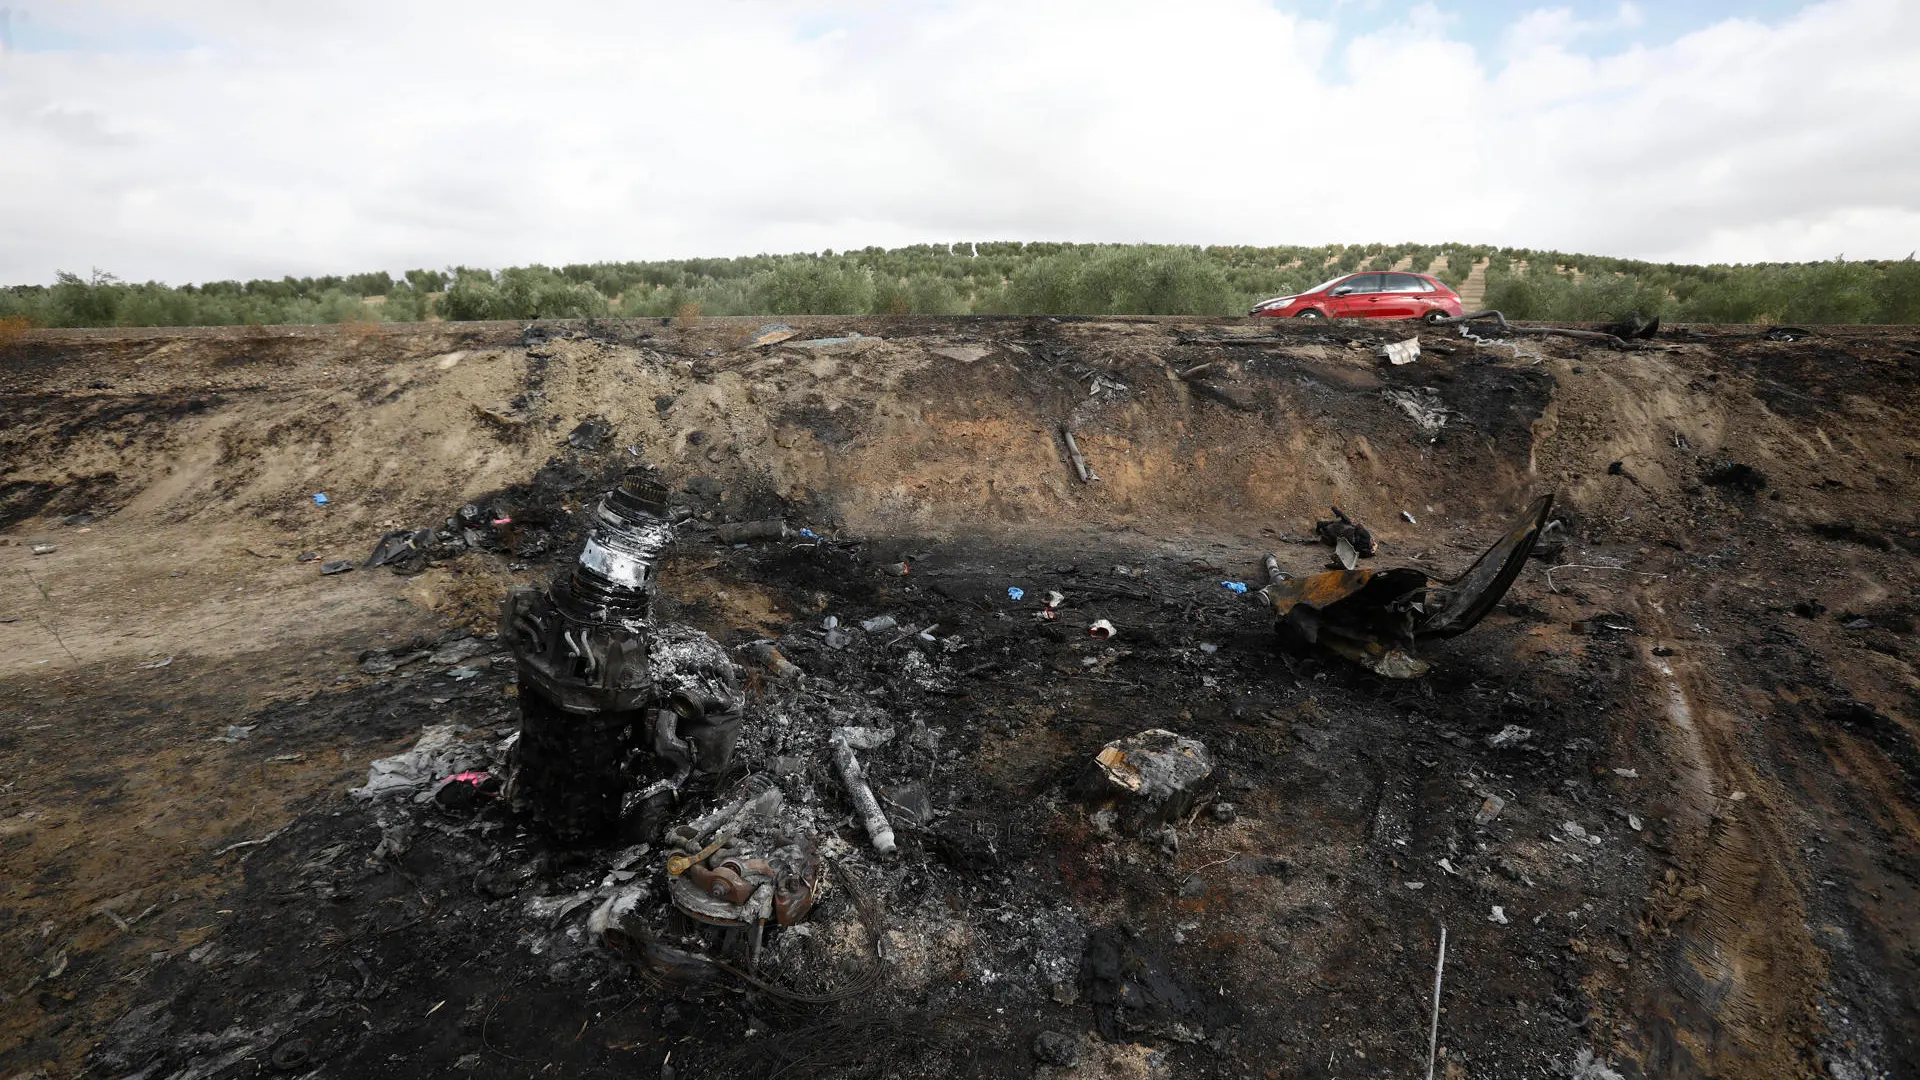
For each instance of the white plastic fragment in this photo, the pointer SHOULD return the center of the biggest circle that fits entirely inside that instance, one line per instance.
(436, 755)
(1499, 916)
(1402, 352)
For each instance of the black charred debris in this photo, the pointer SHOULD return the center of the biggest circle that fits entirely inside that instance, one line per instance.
(765, 818)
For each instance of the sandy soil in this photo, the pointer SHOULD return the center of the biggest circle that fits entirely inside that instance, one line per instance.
(1718, 683)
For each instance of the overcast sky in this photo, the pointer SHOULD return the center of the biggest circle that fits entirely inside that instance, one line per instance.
(207, 139)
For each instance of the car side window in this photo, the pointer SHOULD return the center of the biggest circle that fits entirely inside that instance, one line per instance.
(1407, 283)
(1361, 283)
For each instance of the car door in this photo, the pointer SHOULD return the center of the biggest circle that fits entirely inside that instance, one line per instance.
(1402, 297)
(1355, 297)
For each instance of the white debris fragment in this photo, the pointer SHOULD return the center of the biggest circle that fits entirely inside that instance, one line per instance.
(552, 909)
(1633, 822)
(1422, 406)
(1630, 774)
(1573, 829)
(1402, 352)
(1587, 1067)
(438, 754)
(845, 741)
(613, 913)
(1511, 735)
(1499, 916)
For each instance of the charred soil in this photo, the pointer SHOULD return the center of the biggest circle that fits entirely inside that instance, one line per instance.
(1666, 800)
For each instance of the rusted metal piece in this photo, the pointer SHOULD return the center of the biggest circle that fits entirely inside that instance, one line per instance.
(1376, 617)
(753, 872)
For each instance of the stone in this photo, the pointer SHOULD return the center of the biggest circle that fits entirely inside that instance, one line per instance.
(1055, 1048)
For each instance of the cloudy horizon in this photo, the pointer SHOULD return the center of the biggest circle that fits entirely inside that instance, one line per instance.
(231, 140)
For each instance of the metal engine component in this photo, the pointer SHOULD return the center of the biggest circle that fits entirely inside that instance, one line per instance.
(608, 701)
(738, 869)
(1375, 617)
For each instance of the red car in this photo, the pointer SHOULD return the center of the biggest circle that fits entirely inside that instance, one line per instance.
(1370, 294)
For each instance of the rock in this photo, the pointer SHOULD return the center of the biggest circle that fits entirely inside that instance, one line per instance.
(1055, 1048)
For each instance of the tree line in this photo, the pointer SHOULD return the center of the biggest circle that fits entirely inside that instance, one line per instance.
(993, 278)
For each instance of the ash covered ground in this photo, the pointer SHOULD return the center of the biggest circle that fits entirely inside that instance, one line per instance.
(1664, 809)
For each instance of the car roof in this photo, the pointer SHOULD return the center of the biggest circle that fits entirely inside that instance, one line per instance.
(1410, 273)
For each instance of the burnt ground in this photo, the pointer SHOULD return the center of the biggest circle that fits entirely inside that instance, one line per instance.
(1705, 751)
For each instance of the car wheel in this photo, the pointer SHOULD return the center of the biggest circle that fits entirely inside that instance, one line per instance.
(1310, 313)
(1434, 317)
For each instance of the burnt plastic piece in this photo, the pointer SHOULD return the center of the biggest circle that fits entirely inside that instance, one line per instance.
(1345, 528)
(1376, 617)
(608, 702)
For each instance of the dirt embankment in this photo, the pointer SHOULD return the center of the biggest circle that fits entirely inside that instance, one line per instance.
(1717, 679)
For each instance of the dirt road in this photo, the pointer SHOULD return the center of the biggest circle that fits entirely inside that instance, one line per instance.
(1699, 717)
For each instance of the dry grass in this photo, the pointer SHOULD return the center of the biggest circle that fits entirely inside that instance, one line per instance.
(689, 315)
(12, 327)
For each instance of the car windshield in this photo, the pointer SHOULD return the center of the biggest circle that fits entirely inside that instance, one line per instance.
(1327, 284)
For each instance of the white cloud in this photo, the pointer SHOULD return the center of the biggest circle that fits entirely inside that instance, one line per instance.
(334, 137)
